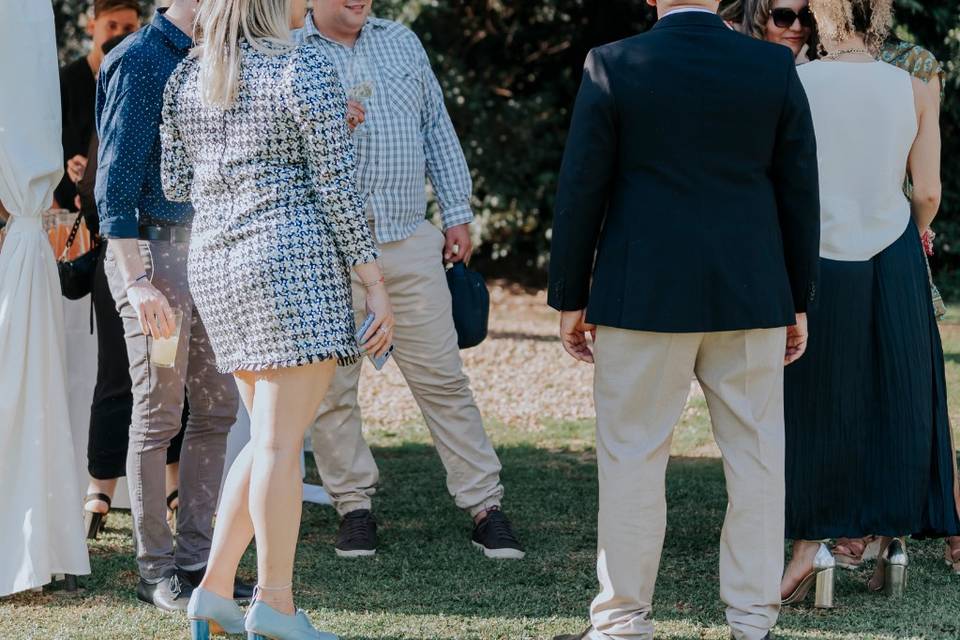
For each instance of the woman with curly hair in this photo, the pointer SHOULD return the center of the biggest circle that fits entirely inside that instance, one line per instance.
(923, 65)
(786, 22)
(868, 434)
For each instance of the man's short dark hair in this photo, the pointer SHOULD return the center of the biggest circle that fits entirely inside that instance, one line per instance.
(105, 6)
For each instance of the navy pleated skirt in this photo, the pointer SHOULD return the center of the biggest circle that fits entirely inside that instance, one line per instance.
(869, 447)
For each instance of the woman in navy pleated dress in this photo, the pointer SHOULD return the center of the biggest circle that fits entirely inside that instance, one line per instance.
(869, 447)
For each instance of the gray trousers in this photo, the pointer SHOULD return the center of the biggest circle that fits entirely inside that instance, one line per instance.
(158, 395)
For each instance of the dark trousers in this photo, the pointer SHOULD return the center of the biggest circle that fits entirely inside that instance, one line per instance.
(112, 399)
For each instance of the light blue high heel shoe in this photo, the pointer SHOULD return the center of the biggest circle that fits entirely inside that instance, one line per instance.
(210, 615)
(266, 623)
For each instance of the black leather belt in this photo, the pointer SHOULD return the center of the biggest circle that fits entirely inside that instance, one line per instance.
(171, 233)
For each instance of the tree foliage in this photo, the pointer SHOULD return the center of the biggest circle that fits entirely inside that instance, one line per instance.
(511, 70)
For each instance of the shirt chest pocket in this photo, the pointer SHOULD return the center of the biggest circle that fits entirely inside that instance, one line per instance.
(404, 90)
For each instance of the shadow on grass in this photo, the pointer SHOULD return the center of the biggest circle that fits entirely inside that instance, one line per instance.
(517, 335)
(425, 565)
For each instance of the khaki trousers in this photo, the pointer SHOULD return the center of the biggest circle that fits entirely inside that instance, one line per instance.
(425, 349)
(641, 385)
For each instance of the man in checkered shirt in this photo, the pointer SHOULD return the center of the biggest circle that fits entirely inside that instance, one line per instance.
(403, 135)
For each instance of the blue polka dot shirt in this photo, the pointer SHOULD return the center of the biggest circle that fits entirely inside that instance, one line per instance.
(129, 101)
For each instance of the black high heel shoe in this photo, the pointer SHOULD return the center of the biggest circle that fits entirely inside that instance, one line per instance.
(94, 522)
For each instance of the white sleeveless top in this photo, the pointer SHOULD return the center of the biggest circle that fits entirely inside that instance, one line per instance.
(866, 122)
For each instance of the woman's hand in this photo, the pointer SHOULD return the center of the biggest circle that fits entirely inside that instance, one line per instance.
(75, 168)
(356, 114)
(379, 336)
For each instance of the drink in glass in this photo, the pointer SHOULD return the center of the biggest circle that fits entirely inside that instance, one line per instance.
(164, 350)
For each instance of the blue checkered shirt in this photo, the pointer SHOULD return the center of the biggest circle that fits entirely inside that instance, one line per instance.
(407, 135)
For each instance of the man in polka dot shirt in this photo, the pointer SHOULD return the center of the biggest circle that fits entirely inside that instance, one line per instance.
(146, 267)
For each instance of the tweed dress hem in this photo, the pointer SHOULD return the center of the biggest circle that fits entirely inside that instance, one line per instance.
(344, 359)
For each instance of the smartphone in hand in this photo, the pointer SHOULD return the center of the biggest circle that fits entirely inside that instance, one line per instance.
(382, 360)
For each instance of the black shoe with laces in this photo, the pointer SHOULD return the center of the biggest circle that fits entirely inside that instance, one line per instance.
(242, 591)
(357, 536)
(494, 536)
(170, 594)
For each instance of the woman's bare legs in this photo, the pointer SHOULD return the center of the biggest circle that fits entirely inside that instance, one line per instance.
(172, 477)
(800, 566)
(263, 492)
(234, 528)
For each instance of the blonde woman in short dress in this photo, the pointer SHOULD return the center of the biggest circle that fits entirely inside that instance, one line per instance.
(254, 134)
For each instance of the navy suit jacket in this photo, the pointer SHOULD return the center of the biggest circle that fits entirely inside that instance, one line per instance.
(688, 197)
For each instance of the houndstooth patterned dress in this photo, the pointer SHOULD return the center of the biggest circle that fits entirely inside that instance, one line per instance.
(278, 222)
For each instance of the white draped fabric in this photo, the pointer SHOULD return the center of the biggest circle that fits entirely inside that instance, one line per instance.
(41, 531)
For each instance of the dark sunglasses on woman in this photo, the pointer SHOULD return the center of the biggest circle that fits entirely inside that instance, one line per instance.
(784, 17)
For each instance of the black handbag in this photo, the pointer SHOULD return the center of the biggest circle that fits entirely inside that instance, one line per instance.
(471, 305)
(76, 276)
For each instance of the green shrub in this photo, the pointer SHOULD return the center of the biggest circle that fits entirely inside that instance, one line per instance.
(511, 70)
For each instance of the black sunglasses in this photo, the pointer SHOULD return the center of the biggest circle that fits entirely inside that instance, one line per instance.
(784, 18)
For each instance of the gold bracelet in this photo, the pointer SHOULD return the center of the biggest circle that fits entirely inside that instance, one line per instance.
(370, 285)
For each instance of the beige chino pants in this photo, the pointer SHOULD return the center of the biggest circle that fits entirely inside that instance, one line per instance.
(425, 349)
(641, 385)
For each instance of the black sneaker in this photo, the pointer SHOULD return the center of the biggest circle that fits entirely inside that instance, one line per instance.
(242, 591)
(170, 594)
(357, 536)
(494, 536)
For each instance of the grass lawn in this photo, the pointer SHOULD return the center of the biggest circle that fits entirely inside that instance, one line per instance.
(427, 582)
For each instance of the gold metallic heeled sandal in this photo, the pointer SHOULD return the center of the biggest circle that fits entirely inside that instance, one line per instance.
(823, 576)
(890, 576)
(951, 555)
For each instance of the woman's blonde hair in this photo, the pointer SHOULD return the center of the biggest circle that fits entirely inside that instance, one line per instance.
(220, 25)
(837, 20)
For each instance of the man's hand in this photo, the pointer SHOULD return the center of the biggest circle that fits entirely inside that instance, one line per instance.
(459, 246)
(356, 114)
(573, 332)
(796, 340)
(75, 168)
(153, 310)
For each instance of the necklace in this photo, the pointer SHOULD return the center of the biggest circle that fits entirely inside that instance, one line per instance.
(848, 52)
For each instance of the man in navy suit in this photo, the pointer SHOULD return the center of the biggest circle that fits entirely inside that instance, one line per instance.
(686, 239)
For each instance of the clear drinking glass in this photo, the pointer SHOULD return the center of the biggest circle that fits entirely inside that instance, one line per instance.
(164, 350)
(360, 87)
